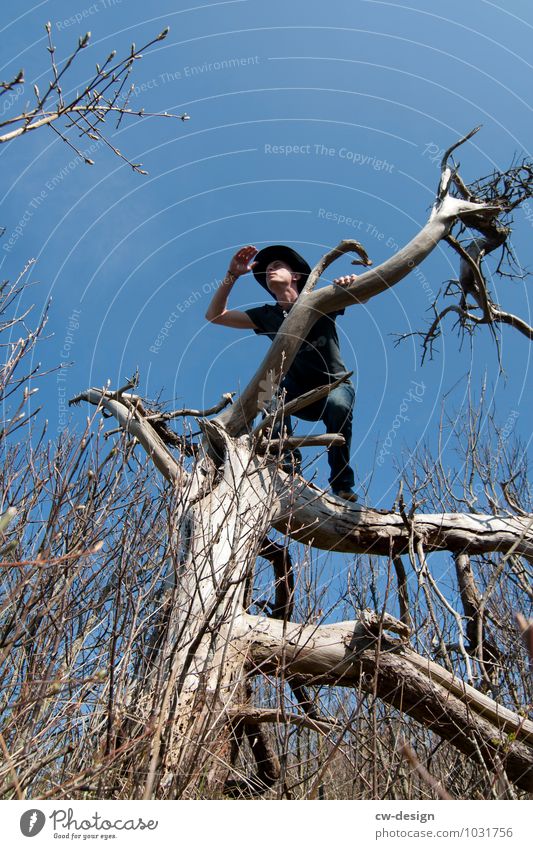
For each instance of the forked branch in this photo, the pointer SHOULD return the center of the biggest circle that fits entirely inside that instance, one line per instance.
(313, 303)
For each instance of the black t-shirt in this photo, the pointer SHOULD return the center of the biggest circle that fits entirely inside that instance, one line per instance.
(319, 359)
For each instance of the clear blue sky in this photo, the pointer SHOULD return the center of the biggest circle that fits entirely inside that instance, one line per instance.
(362, 92)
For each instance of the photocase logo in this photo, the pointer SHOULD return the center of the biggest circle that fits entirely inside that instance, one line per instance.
(32, 822)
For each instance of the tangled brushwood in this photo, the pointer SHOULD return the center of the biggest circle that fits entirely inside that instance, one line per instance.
(169, 628)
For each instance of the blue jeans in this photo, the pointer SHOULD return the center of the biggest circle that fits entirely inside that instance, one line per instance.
(336, 413)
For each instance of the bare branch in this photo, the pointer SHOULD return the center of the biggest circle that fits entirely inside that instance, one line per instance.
(526, 627)
(310, 516)
(515, 321)
(299, 403)
(410, 755)
(199, 414)
(91, 107)
(258, 716)
(131, 421)
(403, 595)
(358, 654)
(302, 441)
(446, 172)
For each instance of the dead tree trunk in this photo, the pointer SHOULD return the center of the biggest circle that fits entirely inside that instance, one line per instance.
(220, 532)
(197, 684)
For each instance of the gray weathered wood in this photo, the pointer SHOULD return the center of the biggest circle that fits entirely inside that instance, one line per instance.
(359, 654)
(311, 516)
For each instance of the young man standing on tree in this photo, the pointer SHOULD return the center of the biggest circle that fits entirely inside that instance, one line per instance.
(283, 273)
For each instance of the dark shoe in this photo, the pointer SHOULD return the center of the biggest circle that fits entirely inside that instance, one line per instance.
(345, 494)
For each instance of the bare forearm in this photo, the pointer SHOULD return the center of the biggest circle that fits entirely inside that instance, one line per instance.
(219, 300)
(218, 311)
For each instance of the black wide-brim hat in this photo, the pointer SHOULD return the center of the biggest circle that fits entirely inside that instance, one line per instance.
(285, 254)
